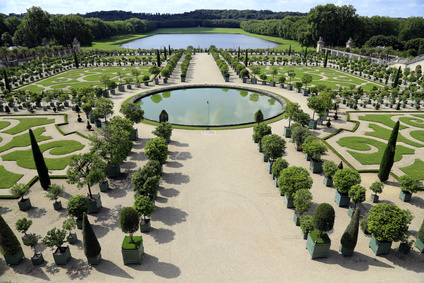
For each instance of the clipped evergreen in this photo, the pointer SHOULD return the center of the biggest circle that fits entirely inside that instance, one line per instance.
(9, 244)
(158, 57)
(340, 165)
(389, 155)
(261, 130)
(306, 224)
(40, 164)
(91, 244)
(357, 194)
(259, 116)
(246, 59)
(421, 232)
(325, 60)
(76, 60)
(279, 165)
(344, 179)
(350, 235)
(163, 116)
(77, 206)
(163, 130)
(6, 80)
(129, 221)
(396, 81)
(323, 219)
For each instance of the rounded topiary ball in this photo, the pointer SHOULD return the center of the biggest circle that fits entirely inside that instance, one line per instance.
(323, 218)
(77, 205)
(129, 220)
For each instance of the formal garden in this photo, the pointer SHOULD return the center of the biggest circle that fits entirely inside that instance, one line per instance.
(104, 190)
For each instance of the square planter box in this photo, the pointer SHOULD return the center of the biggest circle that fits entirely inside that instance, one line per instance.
(145, 225)
(405, 196)
(269, 167)
(298, 90)
(57, 205)
(342, 200)
(318, 247)
(266, 157)
(276, 181)
(304, 236)
(351, 211)
(312, 124)
(272, 83)
(259, 146)
(94, 260)
(316, 166)
(134, 136)
(281, 85)
(129, 87)
(72, 238)
(14, 259)
(380, 248)
(263, 82)
(62, 255)
(289, 202)
(121, 88)
(113, 171)
(305, 92)
(287, 132)
(37, 259)
(420, 245)
(95, 204)
(328, 181)
(79, 223)
(345, 251)
(25, 204)
(289, 87)
(132, 253)
(296, 219)
(307, 157)
(104, 186)
(374, 198)
(106, 93)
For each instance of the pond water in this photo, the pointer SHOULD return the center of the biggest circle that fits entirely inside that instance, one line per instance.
(202, 40)
(209, 106)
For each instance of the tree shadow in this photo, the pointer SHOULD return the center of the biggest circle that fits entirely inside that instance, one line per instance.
(139, 156)
(162, 235)
(27, 268)
(129, 165)
(176, 143)
(162, 269)
(417, 201)
(4, 210)
(106, 220)
(78, 269)
(110, 268)
(412, 261)
(140, 143)
(183, 155)
(119, 187)
(36, 212)
(169, 193)
(357, 262)
(170, 216)
(161, 199)
(175, 178)
(173, 164)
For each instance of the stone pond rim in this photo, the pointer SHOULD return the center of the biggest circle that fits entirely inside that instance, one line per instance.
(278, 98)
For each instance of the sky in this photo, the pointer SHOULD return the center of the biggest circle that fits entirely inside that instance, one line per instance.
(391, 8)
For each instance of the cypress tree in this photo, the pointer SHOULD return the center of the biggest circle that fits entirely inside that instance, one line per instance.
(259, 116)
(164, 52)
(389, 155)
(76, 60)
(245, 59)
(163, 116)
(325, 60)
(340, 165)
(350, 235)
(91, 244)
(158, 57)
(395, 83)
(43, 172)
(289, 49)
(6, 79)
(169, 49)
(238, 54)
(9, 244)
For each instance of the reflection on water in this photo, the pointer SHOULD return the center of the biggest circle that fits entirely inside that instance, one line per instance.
(218, 106)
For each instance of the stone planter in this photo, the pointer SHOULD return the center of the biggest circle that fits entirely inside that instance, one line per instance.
(380, 248)
(25, 204)
(145, 225)
(345, 251)
(113, 171)
(94, 260)
(289, 202)
(104, 186)
(62, 255)
(94, 204)
(287, 132)
(37, 259)
(342, 200)
(57, 205)
(72, 238)
(420, 245)
(405, 196)
(134, 252)
(15, 258)
(374, 198)
(328, 181)
(318, 247)
(316, 166)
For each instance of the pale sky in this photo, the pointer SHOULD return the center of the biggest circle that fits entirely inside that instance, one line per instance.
(391, 8)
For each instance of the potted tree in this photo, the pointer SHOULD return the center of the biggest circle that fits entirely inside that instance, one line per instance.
(259, 131)
(343, 180)
(53, 192)
(315, 149)
(103, 108)
(357, 194)
(273, 146)
(306, 225)
(77, 205)
(157, 149)
(350, 235)
(92, 249)
(163, 130)
(387, 223)
(87, 169)
(329, 168)
(132, 246)
(299, 134)
(318, 243)
(69, 224)
(298, 86)
(20, 190)
(419, 243)
(376, 188)
(408, 186)
(279, 165)
(55, 239)
(291, 180)
(32, 241)
(302, 203)
(10, 247)
(290, 112)
(144, 207)
(22, 225)
(406, 244)
(134, 113)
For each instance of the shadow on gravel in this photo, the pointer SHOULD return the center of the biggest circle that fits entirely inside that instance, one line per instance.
(162, 269)
(36, 212)
(173, 164)
(417, 201)
(176, 143)
(169, 193)
(162, 235)
(170, 216)
(27, 268)
(175, 178)
(357, 262)
(110, 268)
(140, 143)
(183, 155)
(106, 220)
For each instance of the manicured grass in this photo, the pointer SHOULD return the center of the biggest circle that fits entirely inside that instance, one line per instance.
(114, 42)
(8, 179)
(416, 122)
(4, 124)
(138, 241)
(33, 88)
(415, 170)
(324, 238)
(419, 135)
(25, 159)
(24, 140)
(385, 133)
(384, 119)
(363, 144)
(26, 123)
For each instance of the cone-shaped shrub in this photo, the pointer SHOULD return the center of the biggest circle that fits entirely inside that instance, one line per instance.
(323, 219)
(43, 172)
(91, 244)
(163, 116)
(421, 232)
(259, 117)
(389, 155)
(350, 235)
(9, 244)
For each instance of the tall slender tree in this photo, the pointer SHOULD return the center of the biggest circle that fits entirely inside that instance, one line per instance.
(158, 57)
(246, 59)
(164, 52)
(325, 60)
(389, 155)
(289, 49)
(76, 60)
(43, 172)
(91, 245)
(6, 79)
(396, 81)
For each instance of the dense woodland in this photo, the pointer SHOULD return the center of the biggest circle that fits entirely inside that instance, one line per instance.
(335, 24)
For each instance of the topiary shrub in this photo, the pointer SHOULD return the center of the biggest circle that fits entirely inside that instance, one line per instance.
(377, 187)
(344, 179)
(364, 224)
(129, 221)
(350, 235)
(357, 194)
(23, 224)
(144, 206)
(261, 130)
(77, 205)
(323, 219)
(306, 224)
(292, 179)
(163, 116)
(279, 165)
(20, 190)
(91, 244)
(387, 222)
(259, 117)
(329, 168)
(163, 130)
(157, 149)
(302, 200)
(409, 184)
(54, 238)
(273, 146)
(9, 244)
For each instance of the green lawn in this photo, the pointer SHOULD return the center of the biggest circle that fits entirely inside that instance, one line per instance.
(25, 159)
(415, 170)
(384, 119)
(384, 134)
(26, 123)
(419, 135)
(363, 144)
(8, 179)
(416, 122)
(23, 140)
(4, 124)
